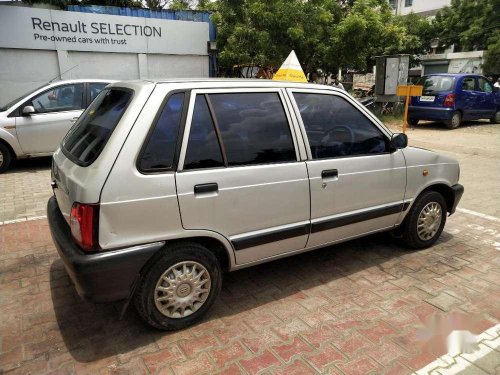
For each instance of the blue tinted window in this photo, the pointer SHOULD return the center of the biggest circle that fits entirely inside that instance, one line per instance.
(254, 128)
(203, 150)
(160, 150)
(336, 128)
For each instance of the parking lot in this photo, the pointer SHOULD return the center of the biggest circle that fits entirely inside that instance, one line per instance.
(363, 307)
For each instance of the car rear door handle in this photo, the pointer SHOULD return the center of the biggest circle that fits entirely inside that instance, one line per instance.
(206, 188)
(330, 174)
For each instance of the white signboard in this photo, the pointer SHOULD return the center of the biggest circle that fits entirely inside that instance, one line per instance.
(30, 28)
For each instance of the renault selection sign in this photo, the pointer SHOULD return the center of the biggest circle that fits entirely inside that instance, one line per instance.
(61, 30)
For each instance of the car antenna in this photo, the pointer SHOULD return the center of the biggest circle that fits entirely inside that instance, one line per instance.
(59, 75)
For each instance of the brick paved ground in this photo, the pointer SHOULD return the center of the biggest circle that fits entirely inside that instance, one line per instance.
(25, 189)
(364, 307)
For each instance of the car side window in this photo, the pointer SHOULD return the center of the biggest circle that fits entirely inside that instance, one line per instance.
(203, 149)
(484, 85)
(335, 128)
(468, 84)
(254, 128)
(59, 99)
(160, 148)
(95, 88)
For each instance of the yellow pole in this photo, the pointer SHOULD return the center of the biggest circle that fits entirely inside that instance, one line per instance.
(405, 118)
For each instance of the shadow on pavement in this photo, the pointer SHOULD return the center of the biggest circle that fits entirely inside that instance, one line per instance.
(92, 332)
(30, 165)
(442, 127)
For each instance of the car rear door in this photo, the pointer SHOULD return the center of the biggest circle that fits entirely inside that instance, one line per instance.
(486, 103)
(241, 174)
(42, 131)
(357, 185)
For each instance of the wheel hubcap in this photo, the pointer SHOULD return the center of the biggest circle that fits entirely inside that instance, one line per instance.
(182, 289)
(429, 221)
(456, 120)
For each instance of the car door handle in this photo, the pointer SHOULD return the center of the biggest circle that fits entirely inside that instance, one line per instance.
(206, 188)
(73, 120)
(330, 174)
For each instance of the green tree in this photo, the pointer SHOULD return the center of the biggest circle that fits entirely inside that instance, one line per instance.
(491, 63)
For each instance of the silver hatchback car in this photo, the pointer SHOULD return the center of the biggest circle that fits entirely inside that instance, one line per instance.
(34, 124)
(160, 187)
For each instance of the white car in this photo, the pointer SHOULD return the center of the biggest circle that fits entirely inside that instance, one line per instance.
(34, 124)
(162, 186)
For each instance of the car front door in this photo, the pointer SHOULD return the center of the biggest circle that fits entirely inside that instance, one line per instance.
(42, 131)
(357, 184)
(486, 102)
(241, 173)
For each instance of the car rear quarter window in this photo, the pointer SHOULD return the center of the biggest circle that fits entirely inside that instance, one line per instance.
(335, 128)
(203, 149)
(160, 148)
(254, 128)
(86, 140)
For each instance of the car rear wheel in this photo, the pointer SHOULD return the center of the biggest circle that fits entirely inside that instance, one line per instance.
(179, 287)
(5, 158)
(496, 119)
(455, 120)
(425, 221)
(413, 122)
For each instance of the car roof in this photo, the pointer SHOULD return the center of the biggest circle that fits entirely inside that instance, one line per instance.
(225, 83)
(454, 74)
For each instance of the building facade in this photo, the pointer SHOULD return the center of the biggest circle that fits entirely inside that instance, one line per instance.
(426, 8)
(39, 45)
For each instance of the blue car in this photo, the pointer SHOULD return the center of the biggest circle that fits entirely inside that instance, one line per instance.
(452, 98)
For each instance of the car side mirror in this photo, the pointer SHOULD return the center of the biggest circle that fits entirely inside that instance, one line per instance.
(28, 110)
(398, 141)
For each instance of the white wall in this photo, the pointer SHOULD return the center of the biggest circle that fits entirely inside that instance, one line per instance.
(22, 70)
(421, 6)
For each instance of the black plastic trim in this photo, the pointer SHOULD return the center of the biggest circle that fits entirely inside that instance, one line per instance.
(357, 217)
(206, 188)
(102, 276)
(272, 236)
(458, 191)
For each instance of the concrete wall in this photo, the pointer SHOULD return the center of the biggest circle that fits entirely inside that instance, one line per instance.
(22, 70)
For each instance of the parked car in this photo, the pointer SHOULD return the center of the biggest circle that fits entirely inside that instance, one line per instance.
(225, 174)
(452, 98)
(34, 124)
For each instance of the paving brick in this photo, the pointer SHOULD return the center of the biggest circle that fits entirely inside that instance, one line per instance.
(377, 332)
(296, 347)
(443, 301)
(227, 354)
(361, 366)
(298, 367)
(198, 365)
(324, 357)
(157, 360)
(198, 344)
(258, 363)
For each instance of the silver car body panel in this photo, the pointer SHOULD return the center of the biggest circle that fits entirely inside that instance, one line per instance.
(39, 134)
(252, 203)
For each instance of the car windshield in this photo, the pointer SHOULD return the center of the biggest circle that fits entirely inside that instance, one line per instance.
(435, 84)
(12, 102)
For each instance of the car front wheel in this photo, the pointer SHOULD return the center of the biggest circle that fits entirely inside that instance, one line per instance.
(179, 287)
(425, 221)
(496, 118)
(455, 120)
(5, 158)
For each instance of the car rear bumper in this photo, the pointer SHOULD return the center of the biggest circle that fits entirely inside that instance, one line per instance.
(458, 191)
(98, 277)
(430, 113)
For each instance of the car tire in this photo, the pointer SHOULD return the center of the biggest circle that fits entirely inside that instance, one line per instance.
(5, 158)
(455, 120)
(425, 222)
(413, 122)
(172, 292)
(496, 118)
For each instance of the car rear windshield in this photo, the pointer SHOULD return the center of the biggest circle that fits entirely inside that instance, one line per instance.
(435, 84)
(87, 138)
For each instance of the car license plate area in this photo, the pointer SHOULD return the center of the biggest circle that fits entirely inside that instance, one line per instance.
(428, 99)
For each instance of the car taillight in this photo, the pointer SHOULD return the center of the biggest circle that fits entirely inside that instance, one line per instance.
(449, 101)
(84, 223)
